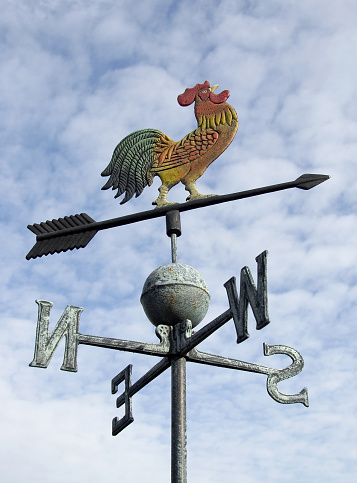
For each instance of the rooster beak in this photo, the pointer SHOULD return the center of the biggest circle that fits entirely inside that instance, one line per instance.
(213, 88)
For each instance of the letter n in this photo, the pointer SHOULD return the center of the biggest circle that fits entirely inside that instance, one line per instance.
(46, 343)
(256, 297)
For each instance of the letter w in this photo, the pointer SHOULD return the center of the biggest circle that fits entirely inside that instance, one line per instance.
(46, 343)
(257, 298)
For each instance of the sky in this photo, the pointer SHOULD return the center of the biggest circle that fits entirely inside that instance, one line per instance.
(76, 78)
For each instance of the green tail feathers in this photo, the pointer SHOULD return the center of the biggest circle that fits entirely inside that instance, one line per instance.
(132, 160)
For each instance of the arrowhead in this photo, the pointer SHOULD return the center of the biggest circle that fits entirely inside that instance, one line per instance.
(308, 181)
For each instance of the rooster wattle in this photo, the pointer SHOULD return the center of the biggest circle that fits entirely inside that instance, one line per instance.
(147, 153)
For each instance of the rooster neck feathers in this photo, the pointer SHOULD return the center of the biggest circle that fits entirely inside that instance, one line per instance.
(211, 115)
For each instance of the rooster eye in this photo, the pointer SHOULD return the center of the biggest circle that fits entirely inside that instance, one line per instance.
(204, 92)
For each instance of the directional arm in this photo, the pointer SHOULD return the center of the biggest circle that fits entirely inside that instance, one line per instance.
(162, 349)
(131, 389)
(152, 374)
(274, 375)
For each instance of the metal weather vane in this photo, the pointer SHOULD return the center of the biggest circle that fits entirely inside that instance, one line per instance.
(148, 153)
(175, 297)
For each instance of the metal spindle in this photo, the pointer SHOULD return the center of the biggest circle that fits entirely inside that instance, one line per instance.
(178, 421)
(174, 248)
(178, 380)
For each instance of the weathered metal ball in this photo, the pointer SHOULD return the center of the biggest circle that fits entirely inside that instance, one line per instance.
(173, 293)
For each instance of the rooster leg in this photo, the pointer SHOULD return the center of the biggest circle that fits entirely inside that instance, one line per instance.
(161, 199)
(194, 193)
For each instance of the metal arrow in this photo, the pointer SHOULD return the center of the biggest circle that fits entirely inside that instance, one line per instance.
(76, 231)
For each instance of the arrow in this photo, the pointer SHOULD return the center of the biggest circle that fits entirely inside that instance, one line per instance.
(76, 231)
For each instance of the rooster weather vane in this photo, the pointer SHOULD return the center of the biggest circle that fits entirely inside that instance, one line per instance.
(175, 297)
(148, 153)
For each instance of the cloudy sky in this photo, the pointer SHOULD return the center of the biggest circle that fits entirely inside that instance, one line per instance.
(78, 76)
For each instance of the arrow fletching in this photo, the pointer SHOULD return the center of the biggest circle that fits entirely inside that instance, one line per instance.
(61, 243)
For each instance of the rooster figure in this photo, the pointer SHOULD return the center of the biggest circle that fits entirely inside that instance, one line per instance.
(147, 153)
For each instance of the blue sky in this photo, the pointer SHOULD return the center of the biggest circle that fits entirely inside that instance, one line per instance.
(77, 77)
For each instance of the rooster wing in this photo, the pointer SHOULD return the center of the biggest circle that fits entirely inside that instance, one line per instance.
(191, 147)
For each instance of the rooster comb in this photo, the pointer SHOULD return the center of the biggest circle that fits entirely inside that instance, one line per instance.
(189, 95)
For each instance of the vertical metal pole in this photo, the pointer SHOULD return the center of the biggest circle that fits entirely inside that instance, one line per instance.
(174, 248)
(178, 421)
(178, 380)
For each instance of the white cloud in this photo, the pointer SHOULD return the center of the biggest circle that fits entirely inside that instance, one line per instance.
(76, 78)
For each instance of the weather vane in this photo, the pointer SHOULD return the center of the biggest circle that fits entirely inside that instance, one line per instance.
(175, 297)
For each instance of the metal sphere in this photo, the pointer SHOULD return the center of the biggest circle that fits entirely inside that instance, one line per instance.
(173, 293)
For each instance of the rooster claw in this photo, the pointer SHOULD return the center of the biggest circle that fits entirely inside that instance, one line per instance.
(198, 196)
(161, 203)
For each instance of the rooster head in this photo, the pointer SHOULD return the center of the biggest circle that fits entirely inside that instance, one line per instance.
(202, 92)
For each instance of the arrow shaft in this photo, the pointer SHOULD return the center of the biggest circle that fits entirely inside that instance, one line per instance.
(181, 207)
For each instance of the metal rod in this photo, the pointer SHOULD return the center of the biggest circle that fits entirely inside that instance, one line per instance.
(306, 181)
(174, 248)
(178, 421)
(144, 380)
(123, 345)
(52, 238)
(206, 331)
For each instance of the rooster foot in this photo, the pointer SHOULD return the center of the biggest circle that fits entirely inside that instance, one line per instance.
(161, 200)
(160, 203)
(194, 193)
(198, 196)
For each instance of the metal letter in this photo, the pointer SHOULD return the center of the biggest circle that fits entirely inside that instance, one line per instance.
(257, 298)
(282, 374)
(46, 343)
(120, 424)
